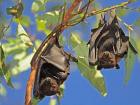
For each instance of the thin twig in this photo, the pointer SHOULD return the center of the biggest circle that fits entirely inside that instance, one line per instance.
(82, 9)
(87, 6)
(101, 11)
(107, 9)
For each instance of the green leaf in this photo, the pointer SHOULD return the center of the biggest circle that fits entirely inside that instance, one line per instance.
(41, 25)
(2, 90)
(122, 12)
(38, 5)
(62, 88)
(14, 46)
(62, 40)
(7, 77)
(35, 101)
(53, 101)
(2, 57)
(75, 40)
(50, 18)
(94, 76)
(61, 95)
(23, 35)
(24, 20)
(20, 60)
(137, 22)
(3, 71)
(129, 62)
(1, 30)
(22, 65)
(137, 40)
(132, 1)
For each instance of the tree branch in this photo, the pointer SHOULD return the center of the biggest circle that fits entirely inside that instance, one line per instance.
(78, 20)
(29, 86)
(83, 8)
(68, 14)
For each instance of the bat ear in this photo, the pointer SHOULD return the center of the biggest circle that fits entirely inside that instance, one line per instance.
(102, 20)
(101, 23)
(113, 20)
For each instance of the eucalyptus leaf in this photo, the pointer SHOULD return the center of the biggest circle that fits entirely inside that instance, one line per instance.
(2, 57)
(35, 101)
(94, 76)
(14, 46)
(24, 20)
(38, 5)
(6, 74)
(22, 65)
(3, 91)
(50, 18)
(132, 1)
(7, 77)
(1, 31)
(137, 22)
(122, 12)
(23, 35)
(75, 40)
(129, 61)
(53, 101)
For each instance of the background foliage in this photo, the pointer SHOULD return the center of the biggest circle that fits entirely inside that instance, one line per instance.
(19, 38)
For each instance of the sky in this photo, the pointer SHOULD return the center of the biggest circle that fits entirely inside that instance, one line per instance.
(78, 90)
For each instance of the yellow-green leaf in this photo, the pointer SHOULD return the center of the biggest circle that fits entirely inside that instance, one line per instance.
(2, 90)
(23, 35)
(1, 57)
(34, 101)
(129, 62)
(22, 65)
(24, 20)
(94, 76)
(53, 101)
(38, 5)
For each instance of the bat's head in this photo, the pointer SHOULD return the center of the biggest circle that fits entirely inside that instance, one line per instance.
(49, 86)
(107, 60)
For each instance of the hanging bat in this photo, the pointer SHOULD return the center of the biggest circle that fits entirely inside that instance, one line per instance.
(109, 45)
(53, 70)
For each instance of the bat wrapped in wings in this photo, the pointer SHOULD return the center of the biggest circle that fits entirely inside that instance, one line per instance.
(49, 68)
(108, 44)
(53, 69)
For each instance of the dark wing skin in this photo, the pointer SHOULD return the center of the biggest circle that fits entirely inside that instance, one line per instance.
(108, 44)
(95, 34)
(53, 69)
(92, 49)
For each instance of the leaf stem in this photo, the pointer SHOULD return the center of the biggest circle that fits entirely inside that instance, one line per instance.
(108, 9)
